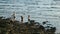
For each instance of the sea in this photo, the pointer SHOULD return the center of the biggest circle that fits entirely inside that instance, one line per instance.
(39, 10)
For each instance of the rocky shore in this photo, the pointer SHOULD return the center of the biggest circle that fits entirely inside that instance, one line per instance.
(12, 26)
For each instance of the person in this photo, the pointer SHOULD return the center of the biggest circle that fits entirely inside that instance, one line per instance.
(13, 16)
(21, 19)
(28, 18)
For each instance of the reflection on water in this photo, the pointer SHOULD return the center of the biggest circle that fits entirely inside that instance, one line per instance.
(40, 10)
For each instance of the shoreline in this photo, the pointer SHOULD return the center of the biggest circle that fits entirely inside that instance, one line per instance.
(30, 24)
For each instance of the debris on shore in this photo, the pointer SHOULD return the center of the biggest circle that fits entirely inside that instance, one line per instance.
(12, 26)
